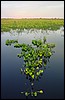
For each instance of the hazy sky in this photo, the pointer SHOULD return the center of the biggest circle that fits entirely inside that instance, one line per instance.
(18, 9)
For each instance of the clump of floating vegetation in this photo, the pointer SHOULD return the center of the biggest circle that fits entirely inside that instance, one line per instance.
(32, 93)
(35, 59)
(9, 42)
(41, 23)
(17, 45)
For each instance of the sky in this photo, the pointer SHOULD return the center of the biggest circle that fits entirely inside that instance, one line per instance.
(32, 9)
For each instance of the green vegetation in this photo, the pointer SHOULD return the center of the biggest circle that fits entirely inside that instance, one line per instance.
(51, 24)
(17, 45)
(35, 59)
(9, 42)
(32, 93)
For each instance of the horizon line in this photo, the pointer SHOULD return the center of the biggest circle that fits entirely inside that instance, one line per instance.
(32, 18)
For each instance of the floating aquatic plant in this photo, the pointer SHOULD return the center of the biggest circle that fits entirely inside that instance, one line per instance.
(35, 93)
(35, 59)
(9, 42)
(19, 55)
(17, 45)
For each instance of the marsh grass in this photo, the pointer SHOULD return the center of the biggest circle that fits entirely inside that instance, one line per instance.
(51, 24)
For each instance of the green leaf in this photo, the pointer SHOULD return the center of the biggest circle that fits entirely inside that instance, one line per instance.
(27, 69)
(40, 91)
(30, 73)
(26, 94)
(37, 68)
(41, 71)
(49, 53)
(32, 76)
(37, 73)
(35, 93)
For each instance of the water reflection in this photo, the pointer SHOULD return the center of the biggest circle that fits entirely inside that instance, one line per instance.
(53, 77)
(20, 32)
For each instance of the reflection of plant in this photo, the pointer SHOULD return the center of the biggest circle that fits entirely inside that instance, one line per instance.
(34, 59)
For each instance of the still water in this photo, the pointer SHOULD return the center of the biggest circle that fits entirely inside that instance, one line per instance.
(13, 82)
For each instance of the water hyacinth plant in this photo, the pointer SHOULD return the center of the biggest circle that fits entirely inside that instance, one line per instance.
(9, 42)
(35, 59)
(35, 93)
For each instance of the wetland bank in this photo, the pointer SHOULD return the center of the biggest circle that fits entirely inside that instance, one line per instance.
(29, 68)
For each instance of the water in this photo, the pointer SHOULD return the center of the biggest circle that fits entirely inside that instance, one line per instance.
(13, 82)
